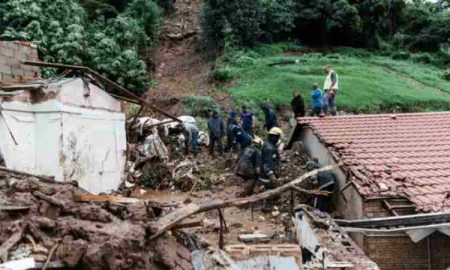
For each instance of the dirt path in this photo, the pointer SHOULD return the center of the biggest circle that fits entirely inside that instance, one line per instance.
(181, 68)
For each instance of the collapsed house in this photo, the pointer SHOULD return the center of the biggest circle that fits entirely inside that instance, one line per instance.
(392, 165)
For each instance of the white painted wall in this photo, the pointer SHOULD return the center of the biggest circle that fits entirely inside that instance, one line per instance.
(68, 137)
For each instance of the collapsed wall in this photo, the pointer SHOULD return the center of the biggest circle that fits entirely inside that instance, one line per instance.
(11, 55)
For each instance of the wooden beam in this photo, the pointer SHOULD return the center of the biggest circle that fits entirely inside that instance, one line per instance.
(44, 179)
(167, 222)
(88, 197)
(105, 80)
(395, 229)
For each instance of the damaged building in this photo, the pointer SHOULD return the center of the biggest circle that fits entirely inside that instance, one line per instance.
(69, 127)
(395, 172)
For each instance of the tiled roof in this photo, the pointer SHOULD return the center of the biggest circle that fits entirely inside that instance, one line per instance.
(397, 155)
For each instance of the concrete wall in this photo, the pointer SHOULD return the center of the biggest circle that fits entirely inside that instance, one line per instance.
(348, 203)
(85, 144)
(11, 53)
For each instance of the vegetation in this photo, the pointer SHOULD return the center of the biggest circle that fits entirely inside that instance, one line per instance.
(369, 82)
(108, 36)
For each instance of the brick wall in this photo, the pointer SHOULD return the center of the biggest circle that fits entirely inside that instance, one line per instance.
(374, 209)
(11, 53)
(399, 252)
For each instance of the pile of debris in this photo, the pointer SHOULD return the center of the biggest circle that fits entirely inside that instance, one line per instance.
(44, 224)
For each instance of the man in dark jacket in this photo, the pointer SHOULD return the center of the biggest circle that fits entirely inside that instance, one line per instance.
(241, 137)
(326, 181)
(270, 163)
(231, 121)
(247, 120)
(249, 165)
(270, 117)
(298, 105)
(217, 129)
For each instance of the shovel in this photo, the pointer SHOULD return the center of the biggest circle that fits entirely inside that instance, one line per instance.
(229, 160)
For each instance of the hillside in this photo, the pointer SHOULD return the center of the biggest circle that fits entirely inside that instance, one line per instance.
(369, 83)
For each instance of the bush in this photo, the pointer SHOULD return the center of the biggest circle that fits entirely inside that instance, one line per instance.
(401, 55)
(223, 74)
(199, 106)
(424, 58)
(244, 61)
(446, 74)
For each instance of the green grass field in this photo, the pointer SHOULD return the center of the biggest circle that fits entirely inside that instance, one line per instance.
(368, 83)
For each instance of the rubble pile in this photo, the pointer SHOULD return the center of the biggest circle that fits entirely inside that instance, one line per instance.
(47, 222)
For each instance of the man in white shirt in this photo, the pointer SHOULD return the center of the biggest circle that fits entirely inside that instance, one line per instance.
(331, 87)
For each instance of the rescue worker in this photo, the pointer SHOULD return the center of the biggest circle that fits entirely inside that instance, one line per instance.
(190, 132)
(241, 137)
(217, 129)
(270, 117)
(249, 165)
(231, 121)
(270, 167)
(325, 181)
(298, 105)
(247, 120)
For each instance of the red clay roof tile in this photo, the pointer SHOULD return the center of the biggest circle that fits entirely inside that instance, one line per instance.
(407, 152)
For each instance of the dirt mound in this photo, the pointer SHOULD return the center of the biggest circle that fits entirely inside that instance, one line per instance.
(180, 66)
(47, 221)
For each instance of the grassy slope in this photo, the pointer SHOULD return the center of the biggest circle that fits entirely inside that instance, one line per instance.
(368, 83)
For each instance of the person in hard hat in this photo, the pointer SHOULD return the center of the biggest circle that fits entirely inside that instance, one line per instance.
(325, 181)
(241, 137)
(249, 165)
(231, 122)
(270, 116)
(217, 131)
(190, 132)
(270, 167)
(317, 102)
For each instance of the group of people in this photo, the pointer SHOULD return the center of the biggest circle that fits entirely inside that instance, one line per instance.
(259, 161)
(323, 102)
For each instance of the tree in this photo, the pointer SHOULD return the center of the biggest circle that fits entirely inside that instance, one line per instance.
(279, 19)
(243, 17)
(327, 21)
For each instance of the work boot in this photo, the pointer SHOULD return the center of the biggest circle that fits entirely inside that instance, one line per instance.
(268, 206)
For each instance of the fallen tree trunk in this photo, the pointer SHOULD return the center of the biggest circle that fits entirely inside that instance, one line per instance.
(169, 221)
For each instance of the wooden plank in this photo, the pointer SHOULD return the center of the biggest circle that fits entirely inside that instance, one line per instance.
(11, 242)
(88, 197)
(12, 208)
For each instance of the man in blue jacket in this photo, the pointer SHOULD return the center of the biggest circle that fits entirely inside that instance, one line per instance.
(242, 138)
(317, 104)
(231, 122)
(217, 129)
(247, 120)
(270, 117)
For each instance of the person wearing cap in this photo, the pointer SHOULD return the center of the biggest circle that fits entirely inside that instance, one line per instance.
(247, 120)
(190, 132)
(325, 181)
(270, 167)
(217, 131)
(231, 121)
(316, 103)
(241, 137)
(270, 116)
(249, 165)
(331, 87)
